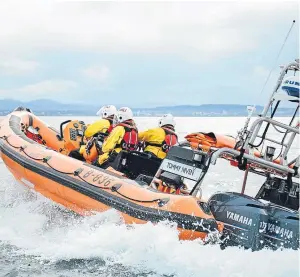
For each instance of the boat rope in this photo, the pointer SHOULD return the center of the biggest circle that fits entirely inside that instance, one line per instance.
(137, 200)
(45, 160)
(22, 148)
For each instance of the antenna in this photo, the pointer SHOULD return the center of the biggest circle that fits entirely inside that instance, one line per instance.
(277, 57)
(243, 132)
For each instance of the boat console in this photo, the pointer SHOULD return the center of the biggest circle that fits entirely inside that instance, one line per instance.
(182, 164)
(72, 134)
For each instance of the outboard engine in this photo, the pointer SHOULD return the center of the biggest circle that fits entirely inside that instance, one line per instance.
(282, 195)
(241, 216)
(260, 222)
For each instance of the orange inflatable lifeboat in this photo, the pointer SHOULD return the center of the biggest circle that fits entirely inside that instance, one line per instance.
(37, 156)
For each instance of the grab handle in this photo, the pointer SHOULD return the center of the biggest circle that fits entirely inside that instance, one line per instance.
(61, 128)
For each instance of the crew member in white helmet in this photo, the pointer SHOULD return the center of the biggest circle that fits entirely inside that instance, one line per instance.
(159, 140)
(97, 132)
(124, 136)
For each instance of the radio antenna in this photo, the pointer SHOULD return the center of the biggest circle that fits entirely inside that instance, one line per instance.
(243, 132)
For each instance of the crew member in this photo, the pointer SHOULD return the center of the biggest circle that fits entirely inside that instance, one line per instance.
(124, 136)
(103, 125)
(159, 140)
(95, 134)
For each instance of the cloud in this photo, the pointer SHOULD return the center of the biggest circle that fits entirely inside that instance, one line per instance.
(48, 88)
(196, 30)
(15, 67)
(261, 71)
(99, 73)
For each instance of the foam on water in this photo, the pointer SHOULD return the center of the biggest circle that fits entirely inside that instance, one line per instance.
(37, 227)
(35, 230)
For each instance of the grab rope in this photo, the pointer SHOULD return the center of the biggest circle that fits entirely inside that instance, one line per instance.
(22, 148)
(45, 159)
(76, 173)
(137, 200)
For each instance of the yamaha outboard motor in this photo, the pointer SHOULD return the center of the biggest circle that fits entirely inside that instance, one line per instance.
(260, 222)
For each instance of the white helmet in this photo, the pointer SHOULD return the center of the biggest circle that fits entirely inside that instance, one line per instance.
(166, 119)
(124, 114)
(107, 111)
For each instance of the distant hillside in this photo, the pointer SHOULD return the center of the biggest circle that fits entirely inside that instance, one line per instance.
(50, 107)
(201, 110)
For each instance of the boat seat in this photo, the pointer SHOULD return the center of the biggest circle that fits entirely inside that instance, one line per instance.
(134, 163)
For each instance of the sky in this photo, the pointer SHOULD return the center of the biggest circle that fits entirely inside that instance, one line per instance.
(144, 54)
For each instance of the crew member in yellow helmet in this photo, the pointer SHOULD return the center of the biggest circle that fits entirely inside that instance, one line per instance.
(159, 140)
(124, 136)
(96, 133)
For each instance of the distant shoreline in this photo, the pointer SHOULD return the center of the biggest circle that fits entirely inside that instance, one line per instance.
(144, 116)
(46, 107)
